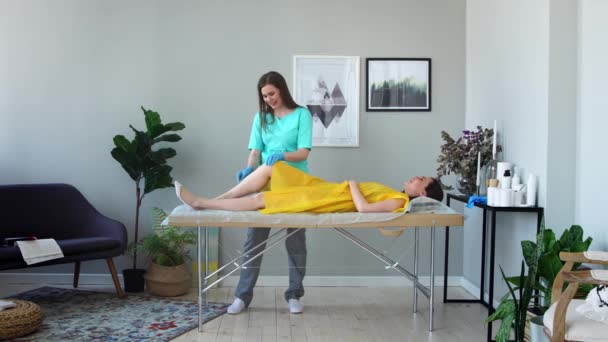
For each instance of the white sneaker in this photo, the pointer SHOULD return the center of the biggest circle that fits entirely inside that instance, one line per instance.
(236, 307)
(295, 306)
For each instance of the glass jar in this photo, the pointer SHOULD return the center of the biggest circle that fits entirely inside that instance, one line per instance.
(490, 178)
(466, 186)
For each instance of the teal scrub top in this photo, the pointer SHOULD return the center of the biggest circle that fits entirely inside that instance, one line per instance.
(287, 134)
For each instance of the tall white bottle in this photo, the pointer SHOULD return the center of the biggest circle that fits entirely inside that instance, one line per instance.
(531, 191)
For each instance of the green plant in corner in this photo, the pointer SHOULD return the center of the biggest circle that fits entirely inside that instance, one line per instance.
(142, 163)
(169, 245)
(550, 264)
(513, 307)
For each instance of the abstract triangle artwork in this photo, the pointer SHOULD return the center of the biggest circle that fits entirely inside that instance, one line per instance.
(324, 105)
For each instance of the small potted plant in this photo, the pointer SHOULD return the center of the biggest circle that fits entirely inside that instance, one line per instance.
(168, 248)
(460, 157)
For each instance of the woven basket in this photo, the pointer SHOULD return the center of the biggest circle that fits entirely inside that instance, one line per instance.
(168, 281)
(21, 320)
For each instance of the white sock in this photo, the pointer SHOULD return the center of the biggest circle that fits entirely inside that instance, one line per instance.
(178, 192)
(236, 307)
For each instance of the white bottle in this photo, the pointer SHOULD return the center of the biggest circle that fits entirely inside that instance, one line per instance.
(531, 191)
(516, 181)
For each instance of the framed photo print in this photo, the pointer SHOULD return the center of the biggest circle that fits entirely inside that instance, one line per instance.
(398, 85)
(329, 87)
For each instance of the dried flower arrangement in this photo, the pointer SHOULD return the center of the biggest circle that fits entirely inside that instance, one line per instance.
(460, 156)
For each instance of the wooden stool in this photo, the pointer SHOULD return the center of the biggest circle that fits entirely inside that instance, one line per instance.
(21, 320)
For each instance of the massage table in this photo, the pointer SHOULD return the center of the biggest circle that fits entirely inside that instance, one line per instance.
(422, 212)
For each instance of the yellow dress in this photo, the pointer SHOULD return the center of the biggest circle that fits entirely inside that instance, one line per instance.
(294, 191)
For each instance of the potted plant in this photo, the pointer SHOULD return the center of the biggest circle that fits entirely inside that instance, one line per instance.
(548, 265)
(168, 247)
(513, 307)
(150, 166)
(460, 157)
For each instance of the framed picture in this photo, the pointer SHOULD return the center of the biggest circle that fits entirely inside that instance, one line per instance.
(329, 87)
(398, 85)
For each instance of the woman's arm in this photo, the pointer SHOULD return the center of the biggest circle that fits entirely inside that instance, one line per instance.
(379, 207)
(254, 158)
(298, 155)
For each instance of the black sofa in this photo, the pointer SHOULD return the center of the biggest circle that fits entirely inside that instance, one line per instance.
(61, 212)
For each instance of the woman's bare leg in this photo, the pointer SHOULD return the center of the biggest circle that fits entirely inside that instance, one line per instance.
(253, 183)
(254, 202)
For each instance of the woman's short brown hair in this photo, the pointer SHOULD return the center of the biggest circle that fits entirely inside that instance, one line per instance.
(434, 190)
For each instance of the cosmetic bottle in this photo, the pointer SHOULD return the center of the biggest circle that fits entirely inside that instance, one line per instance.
(531, 191)
(516, 181)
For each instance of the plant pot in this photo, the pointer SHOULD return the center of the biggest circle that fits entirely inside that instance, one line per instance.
(534, 326)
(536, 330)
(133, 279)
(168, 281)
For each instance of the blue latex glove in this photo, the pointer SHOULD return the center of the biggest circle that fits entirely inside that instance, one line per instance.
(273, 158)
(476, 199)
(243, 173)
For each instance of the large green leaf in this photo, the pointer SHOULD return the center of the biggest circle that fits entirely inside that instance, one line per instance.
(123, 143)
(549, 266)
(152, 121)
(161, 155)
(157, 178)
(504, 309)
(142, 143)
(174, 126)
(128, 162)
(580, 246)
(505, 312)
(528, 249)
(550, 243)
(161, 129)
(167, 138)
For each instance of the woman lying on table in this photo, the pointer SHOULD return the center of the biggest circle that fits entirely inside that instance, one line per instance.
(293, 191)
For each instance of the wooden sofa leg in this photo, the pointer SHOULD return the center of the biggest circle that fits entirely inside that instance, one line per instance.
(119, 290)
(76, 273)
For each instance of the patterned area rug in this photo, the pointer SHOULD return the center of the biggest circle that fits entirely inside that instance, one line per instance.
(77, 315)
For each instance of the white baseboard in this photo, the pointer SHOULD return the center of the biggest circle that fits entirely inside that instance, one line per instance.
(392, 281)
(57, 278)
(471, 288)
(106, 279)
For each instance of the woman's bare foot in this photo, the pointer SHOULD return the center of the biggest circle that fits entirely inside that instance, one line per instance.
(186, 196)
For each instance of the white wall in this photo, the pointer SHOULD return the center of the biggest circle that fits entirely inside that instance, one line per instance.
(592, 121)
(561, 118)
(539, 66)
(507, 80)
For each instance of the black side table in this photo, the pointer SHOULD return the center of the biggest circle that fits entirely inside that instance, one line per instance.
(493, 210)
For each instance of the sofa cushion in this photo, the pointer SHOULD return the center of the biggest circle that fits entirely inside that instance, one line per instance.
(68, 247)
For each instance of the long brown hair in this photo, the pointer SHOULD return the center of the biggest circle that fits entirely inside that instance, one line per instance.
(277, 80)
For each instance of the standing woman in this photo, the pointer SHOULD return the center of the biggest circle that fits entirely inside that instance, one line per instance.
(281, 130)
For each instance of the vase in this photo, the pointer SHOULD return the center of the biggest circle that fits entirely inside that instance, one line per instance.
(466, 186)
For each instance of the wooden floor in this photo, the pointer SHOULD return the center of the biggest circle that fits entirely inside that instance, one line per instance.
(333, 314)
